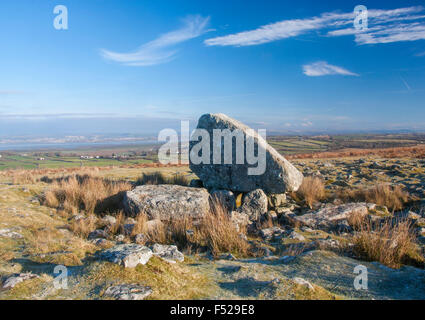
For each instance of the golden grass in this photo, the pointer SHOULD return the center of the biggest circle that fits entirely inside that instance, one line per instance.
(392, 244)
(161, 178)
(393, 197)
(311, 190)
(75, 193)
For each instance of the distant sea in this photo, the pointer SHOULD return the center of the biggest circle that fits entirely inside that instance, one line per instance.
(72, 145)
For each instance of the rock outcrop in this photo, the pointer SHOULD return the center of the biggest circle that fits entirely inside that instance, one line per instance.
(127, 255)
(279, 175)
(167, 201)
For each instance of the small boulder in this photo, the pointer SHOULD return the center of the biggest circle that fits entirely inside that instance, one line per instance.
(13, 280)
(276, 200)
(254, 204)
(127, 255)
(128, 292)
(168, 253)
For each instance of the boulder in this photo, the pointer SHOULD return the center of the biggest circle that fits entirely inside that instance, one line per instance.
(167, 201)
(168, 253)
(128, 292)
(331, 216)
(254, 204)
(276, 199)
(127, 255)
(225, 197)
(279, 175)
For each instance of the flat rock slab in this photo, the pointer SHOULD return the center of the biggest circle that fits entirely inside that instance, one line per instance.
(167, 252)
(167, 201)
(127, 255)
(279, 176)
(12, 281)
(128, 292)
(8, 233)
(331, 215)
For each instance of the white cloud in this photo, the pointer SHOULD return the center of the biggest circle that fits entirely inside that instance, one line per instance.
(161, 49)
(322, 68)
(384, 26)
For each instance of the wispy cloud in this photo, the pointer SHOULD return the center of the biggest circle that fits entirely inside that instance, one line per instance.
(162, 49)
(322, 68)
(406, 84)
(384, 26)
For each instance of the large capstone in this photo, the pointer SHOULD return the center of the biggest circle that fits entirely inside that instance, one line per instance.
(225, 162)
(165, 202)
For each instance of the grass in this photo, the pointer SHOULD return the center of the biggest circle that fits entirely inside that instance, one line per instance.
(311, 190)
(393, 197)
(161, 178)
(390, 243)
(85, 192)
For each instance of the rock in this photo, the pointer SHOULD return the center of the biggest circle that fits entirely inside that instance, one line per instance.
(100, 242)
(225, 197)
(241, 220)
(414, 216)
(128, 292)
(279, 176)
(304, 283)
(167, 201)
(109, 220)
(296, 236)
(227, 256)
(331, 215)
(119, 238)
(276, 200)
(98, 233)
(128, 228)
(270, 216)
(12, 281)
(254, 204)
(8, 233)
(127, 255)
(272, 233)
(140, 238)
(196, 183)
(167, 252)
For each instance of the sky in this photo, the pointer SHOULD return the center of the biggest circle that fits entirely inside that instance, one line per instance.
(137, 67)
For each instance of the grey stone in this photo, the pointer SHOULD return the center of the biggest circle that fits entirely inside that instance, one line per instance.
(225, 197)
(330, 216)
(254, 204)
(13, 280)
(280, 175)
(272, 233)
(109, 220)
(304, 283)
(276, 199)
(140, 238)
(167, 252)
(98, 233)
(167, 201)
(296, 236)
(8, 233)
(128, 292)
(127, 255)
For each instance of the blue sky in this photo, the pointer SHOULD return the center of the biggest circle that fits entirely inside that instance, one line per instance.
(141, 66)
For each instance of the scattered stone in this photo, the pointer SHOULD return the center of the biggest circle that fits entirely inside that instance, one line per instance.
(167, 201)
(127, 255)
(296, 236)
(280, 175)
(140, 238)
(98, 233)
(276, 200)
(254, 204)
(168, 253)
(304, 283)
(8, 233)
(119, 238)
(330, 216)
(227, 256)
(109, 220)
(100, 242)
(128, 292)
(272, 233)
(13, 280)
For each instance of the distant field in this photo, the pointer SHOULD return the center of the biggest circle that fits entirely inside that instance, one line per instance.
(292, 146)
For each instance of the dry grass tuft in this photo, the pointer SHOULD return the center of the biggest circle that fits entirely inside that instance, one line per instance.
(161, 178)
(392, 244)
(75, 193)
(311, 190)
(83, 227)
(394, 198)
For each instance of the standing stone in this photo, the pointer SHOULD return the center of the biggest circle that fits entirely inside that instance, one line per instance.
(167, 201)
(279, 176)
